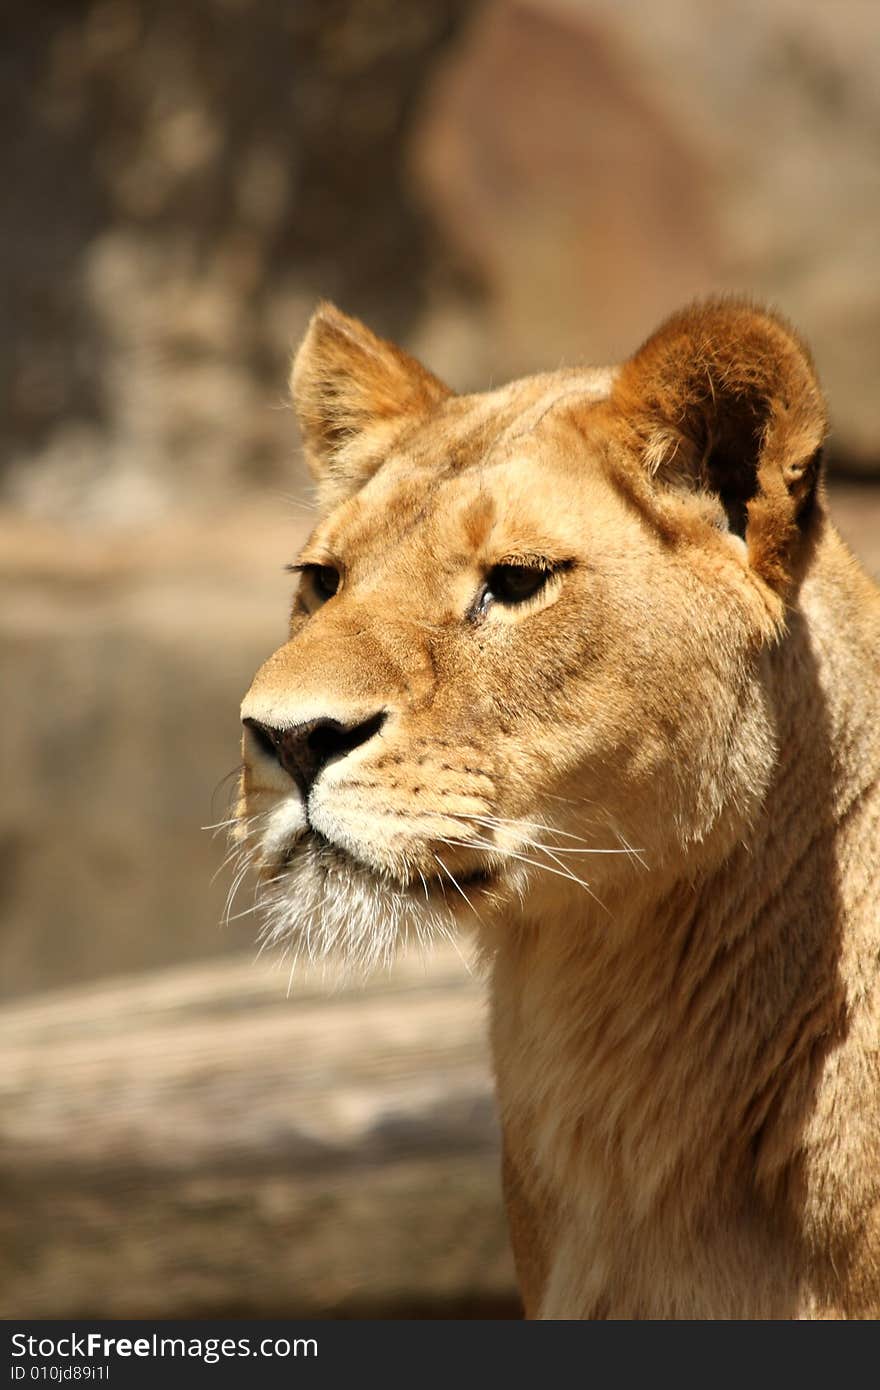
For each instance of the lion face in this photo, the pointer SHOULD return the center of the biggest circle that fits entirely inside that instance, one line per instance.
(522, 672)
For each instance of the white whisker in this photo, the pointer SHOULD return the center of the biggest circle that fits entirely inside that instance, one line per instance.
(561, 871)
(458, 886)
(503, 822)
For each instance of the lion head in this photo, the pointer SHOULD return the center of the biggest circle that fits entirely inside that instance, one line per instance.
(528, 650)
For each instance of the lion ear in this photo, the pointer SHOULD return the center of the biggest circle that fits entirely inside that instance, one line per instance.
(353, 392)
(724, 399)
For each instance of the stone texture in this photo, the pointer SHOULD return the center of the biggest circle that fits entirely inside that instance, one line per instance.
(124, 661)
(597, 163)
(187, 180)
(195, 1144)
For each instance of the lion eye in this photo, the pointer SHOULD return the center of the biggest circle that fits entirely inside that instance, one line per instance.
(320, 583)
(515, 583)
(326, 580)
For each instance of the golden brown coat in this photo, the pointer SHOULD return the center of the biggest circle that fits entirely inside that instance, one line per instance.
(650, 784)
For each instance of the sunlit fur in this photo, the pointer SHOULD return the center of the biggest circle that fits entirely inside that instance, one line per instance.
(651, 790)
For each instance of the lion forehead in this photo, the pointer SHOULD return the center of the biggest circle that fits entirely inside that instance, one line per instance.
(480, 472)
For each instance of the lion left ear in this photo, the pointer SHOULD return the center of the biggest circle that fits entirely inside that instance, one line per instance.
(724, 398)
(353, 392)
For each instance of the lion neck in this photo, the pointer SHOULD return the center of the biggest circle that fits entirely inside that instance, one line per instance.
(674, 1044)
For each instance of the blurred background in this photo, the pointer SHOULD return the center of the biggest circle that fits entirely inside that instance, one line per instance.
(502, 186)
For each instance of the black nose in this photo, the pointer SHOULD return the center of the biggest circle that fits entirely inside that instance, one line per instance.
(307, 748)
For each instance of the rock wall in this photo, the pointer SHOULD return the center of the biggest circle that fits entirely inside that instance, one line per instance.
(186, 180)
(600, 161)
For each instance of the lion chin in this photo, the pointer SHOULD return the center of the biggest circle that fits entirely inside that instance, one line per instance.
(320, 902)
(317, 899)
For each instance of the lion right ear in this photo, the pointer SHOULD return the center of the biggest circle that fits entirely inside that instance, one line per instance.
(724, 400)
(353, 393)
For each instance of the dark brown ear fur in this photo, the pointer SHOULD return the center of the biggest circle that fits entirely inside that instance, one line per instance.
(353, 392)
(724, 399)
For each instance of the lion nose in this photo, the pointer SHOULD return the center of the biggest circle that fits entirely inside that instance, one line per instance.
(305, 749)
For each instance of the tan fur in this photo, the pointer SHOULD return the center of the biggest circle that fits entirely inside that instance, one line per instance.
(666, 762)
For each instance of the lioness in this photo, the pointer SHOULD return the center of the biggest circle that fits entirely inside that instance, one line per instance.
(582, 661)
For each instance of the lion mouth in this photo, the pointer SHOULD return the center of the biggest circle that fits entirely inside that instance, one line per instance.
(477, 878)
(320, 898)
(330, 857)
